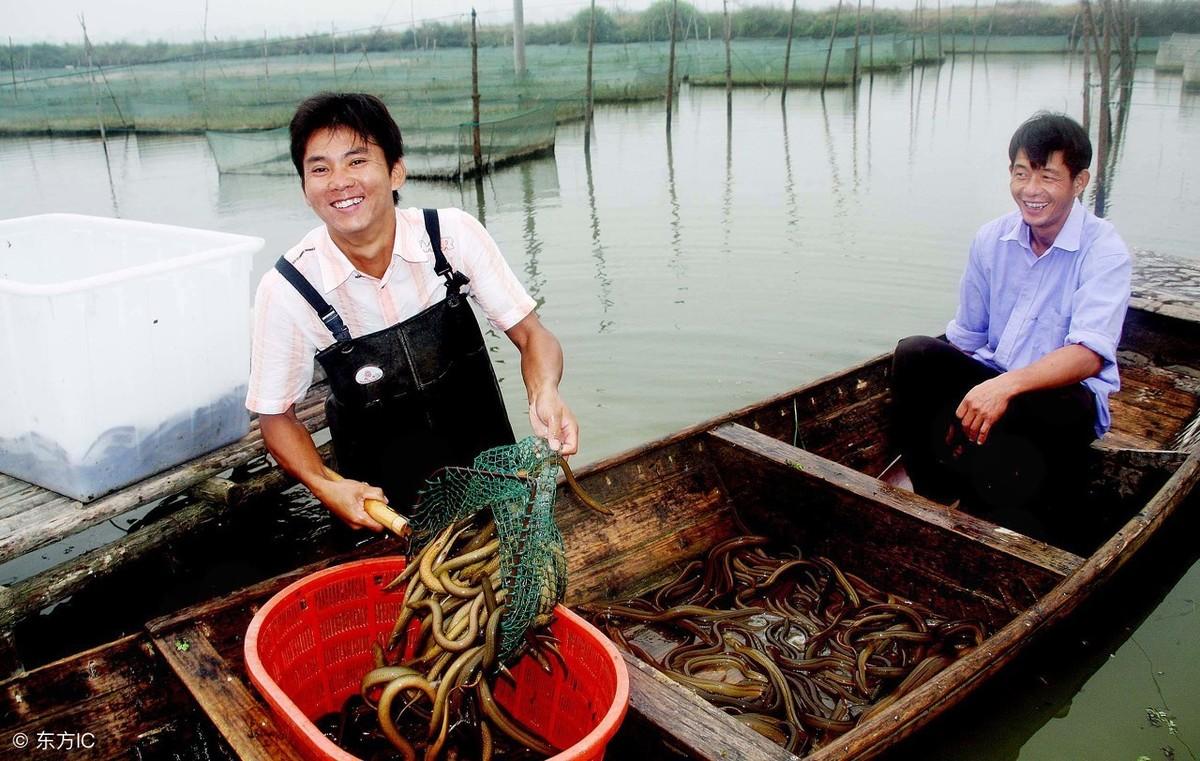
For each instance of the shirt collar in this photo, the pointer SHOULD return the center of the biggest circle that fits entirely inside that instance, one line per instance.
(336, 268)
(1068, 237)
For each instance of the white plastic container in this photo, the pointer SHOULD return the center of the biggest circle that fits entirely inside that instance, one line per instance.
(124, 348)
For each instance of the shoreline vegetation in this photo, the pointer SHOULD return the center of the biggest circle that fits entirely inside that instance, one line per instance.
(1155, 18)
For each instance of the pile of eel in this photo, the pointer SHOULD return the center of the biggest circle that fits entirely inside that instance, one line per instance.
(431, 692)
(791, 646)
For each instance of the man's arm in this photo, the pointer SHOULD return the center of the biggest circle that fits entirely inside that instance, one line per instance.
(541, 368)
(290, 444)
(986, 403)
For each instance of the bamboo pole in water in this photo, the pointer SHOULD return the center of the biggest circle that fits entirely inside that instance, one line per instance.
(728, 34)
(920, 25)
(974, 29)
(519, 67)
(476, 146)
(266, 64)
(872, 57)
(787, 56)
(941, 54)
(671, 24)
(1087, 69)
(987, 41)
(857, 31)
(12, 67)
(87, 50)
(204, 63)
(587, 123)
(837, 13)
(333, 49)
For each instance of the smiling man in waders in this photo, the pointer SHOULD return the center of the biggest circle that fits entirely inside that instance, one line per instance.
(380, 296)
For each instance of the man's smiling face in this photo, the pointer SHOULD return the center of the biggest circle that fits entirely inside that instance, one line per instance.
(1044, 194)
(348, 184)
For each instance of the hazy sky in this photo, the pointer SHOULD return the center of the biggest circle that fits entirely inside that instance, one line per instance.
(183, 20)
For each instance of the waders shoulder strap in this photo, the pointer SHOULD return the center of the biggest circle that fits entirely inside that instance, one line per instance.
(454, 280)
(323, 308)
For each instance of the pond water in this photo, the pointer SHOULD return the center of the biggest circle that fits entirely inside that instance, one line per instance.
(692, 272)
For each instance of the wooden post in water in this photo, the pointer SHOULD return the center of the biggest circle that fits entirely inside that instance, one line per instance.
(266, 65)
(518, 37)
(857, 31)
(974, 29)
(727, 34)
(872, 57)
(920, 17)
(1087, 69)
(12, 67)
(1105, 61)
(671, 24)
(941, 54)
(333, 49)
(476, 145)
(987, 41)
(787, 56)
(837, 13)
(587, 120)
(1072, 40)
(204, 63)
(87, 50)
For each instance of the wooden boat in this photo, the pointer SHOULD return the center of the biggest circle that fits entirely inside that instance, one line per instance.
(802, 467)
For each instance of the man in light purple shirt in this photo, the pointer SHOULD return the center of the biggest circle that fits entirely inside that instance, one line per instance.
(1000, 413)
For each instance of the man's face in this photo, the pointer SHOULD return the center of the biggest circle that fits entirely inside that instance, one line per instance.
(1044, 195)
(348, 184)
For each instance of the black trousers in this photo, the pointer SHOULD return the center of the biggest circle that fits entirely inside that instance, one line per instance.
(1033, 458)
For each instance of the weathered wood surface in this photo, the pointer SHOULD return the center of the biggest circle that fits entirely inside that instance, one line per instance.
(32, 517)
(667, 507)
(240, 716)
(974, 530)
(91, 692)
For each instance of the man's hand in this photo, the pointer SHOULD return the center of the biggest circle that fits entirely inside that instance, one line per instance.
(553, 420)
(346, 498)
(983, 406)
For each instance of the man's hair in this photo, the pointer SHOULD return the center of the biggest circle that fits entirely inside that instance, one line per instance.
(1044, 133)
(364, 115)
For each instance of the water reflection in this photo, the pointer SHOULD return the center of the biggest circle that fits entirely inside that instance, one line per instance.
(839, 200)
(606, 301)
(727, 194)
(675, 262)
(789, 187)
(534, 279)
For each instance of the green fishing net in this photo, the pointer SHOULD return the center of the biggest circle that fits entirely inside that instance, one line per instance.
(516, 484)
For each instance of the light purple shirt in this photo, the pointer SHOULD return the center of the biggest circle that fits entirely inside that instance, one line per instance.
(1014, 307)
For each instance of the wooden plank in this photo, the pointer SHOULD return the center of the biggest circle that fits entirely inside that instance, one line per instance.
(44, 517)
(693, 725)
(236, 713)
(92, 692)
(1028, 550)
(32, 594)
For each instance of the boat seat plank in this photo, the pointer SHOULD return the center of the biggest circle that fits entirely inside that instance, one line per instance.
(34, 517)
(691, 723)
(236, 713)
(1056, 561)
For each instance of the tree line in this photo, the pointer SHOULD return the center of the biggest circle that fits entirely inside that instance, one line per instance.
(1155, 18)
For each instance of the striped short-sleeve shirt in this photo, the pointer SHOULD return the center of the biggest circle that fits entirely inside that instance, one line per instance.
(288, 333)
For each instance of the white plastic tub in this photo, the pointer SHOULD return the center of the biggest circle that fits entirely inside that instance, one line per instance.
(124, 348)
